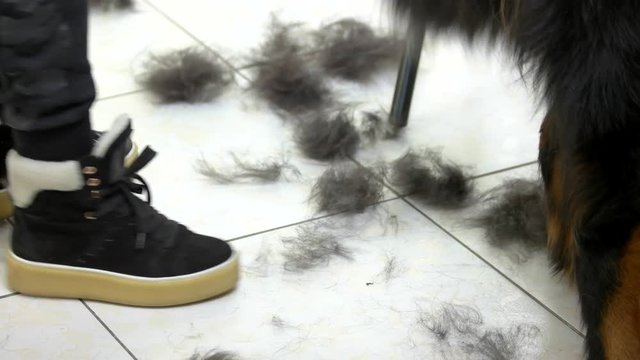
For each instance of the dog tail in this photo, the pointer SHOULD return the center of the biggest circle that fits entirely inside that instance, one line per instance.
(470, 17)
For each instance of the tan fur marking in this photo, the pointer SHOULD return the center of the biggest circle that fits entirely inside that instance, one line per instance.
(621, 322)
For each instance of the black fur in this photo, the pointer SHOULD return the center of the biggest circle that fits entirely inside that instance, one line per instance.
(375, 125)
(461, 334)
(266, 171)
(189, 75)
(327, 135)
(515, 214)
(314, 245)
(582, 55)
(215, 355)
(112, 4)
(284, 77)
(429, 178)
(346, 187)
(350, 49)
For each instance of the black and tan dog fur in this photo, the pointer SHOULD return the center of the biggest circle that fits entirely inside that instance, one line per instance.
(585, 57)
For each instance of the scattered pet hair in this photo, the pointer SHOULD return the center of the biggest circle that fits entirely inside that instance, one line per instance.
(260, 265)
(459, 329)
(375, 126)
(390, 223)
(506, 345)
(515, 214)
(107, 5)
(351, 50)
(431, 179)
(311, 247)
(391, 269)
(284, 78)
(459, 318)
(278, 322)
(215, 355)
(190, 75)
(263, 171)
(346, 187)
(327, 135)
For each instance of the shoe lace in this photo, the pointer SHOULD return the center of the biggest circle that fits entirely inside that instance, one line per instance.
(128, 184)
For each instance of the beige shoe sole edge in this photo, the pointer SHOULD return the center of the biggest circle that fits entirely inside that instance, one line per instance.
(59, 281)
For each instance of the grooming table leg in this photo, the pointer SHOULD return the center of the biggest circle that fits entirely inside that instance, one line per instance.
(407, 75)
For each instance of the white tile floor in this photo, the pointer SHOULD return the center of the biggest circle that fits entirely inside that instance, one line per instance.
(469, 103)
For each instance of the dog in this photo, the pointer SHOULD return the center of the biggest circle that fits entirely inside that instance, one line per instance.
(584, 57)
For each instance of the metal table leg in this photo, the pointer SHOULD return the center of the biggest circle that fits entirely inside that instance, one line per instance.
(407, 74)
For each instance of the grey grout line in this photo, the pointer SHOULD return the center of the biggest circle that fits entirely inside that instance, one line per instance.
(474, 177)
(488, 263)
(109, 330)
(396, 197)
(495, 172)
(8, 295)
(306, 221)
(381, 178)
(114, 96)
(196, 39)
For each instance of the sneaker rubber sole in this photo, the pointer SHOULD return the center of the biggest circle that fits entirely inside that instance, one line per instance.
(59, 281)
(6, 205)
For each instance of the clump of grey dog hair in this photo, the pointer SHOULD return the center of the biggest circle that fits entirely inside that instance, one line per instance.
(312, 246)
(375, 126)
(350, 49)
(498, 344)
(429, 178)
(515, 214)
(327, 135)
(461, 334)
(266, 171)
(450, 317)
(215, 355)
(391, 269)
(191, 75)
(346, 187)
(285, 78)
(107, 5)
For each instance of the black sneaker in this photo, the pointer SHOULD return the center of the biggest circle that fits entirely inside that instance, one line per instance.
(80, 232)
(6, 144)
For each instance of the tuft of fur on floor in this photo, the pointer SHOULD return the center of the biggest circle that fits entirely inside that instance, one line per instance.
(514, 214)
(392, 269)
(215, 355)
(266, 171)
(431, 179)
(107, 5)
(374, 126)
(351, 50)
(285, 78)
(190, 75)
(327, 135)
(460, 333)
(346, 187)
(312, 246)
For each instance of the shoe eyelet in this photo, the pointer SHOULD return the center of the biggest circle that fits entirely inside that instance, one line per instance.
(95, 194)
(89, 170)
(89, 215)
(93, 182)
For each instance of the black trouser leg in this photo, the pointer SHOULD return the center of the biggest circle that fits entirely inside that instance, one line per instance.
(45, 77)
